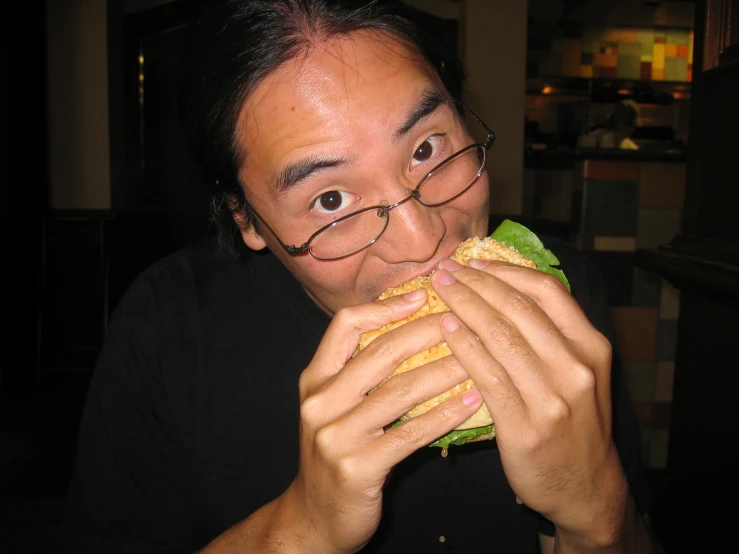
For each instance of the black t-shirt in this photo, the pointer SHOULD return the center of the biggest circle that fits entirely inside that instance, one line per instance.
(191, 421)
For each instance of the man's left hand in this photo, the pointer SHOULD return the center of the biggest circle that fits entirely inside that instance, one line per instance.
(544, 373)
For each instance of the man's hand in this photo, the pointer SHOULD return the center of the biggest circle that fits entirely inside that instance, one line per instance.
(544, 372)
(346, 454)
(335, 503)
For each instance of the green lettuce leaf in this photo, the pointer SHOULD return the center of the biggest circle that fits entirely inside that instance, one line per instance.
(528, 244)
(461, 437)
(457, 437)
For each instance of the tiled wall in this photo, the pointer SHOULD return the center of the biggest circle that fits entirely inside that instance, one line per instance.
(547, 193)
(620, 206)
(652, 53)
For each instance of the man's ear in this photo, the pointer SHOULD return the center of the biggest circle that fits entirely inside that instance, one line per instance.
(252, 239)
(248, 233)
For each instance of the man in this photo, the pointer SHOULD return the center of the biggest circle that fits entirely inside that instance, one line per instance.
(228, 413)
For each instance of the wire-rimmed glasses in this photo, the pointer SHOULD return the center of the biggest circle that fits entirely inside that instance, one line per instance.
(356, 231)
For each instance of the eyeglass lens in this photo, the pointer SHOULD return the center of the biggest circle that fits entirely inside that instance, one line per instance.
(360, 230)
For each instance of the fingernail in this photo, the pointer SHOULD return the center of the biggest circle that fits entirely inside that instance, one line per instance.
(450, 322)
(414, 295)
(443, 277)
(449, 265)
(478, 264)
(471, 397)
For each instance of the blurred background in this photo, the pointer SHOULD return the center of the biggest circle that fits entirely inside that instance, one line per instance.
(616, 124)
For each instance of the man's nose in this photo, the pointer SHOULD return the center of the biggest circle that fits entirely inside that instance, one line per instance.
(413, 233)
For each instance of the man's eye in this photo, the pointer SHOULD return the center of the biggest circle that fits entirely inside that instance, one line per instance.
(427, 149)
(332, 201)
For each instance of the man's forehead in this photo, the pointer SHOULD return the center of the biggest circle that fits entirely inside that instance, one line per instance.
(325, 102)
(334, 70)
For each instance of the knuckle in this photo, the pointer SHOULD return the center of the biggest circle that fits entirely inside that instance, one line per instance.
(304, 385)
(324, 439)
(450, 369)
(584, 379)
(474, 279)
(399, 387)
(385, 346)
(343, 317)
(557, 409)
(535, 440)
(467, 346)
(604, 348)
(348, 468)
(310, 408)
(501, 331)
(413, 432)
(549, 284)
(505, 334)
(519, 303)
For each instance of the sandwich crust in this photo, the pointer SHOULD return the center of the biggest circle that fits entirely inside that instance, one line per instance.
(486, 249)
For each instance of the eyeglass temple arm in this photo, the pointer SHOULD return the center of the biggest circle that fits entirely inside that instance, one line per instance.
(289, 248)
(491, 136)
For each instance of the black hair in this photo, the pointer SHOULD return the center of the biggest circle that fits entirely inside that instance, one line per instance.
(232, 45)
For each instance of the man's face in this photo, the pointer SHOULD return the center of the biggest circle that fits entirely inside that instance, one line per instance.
(357, 121)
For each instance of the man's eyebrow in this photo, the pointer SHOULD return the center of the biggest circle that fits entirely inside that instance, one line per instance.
(431, 99)
(302, 169)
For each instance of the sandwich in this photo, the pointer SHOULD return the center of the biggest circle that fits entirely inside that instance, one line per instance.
(512, 243)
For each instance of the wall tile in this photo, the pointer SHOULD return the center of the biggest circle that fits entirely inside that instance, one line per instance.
(657, 454)
(666, 340)
(617, 269)
(656, 227)
(647, 288)
(658, 55)
(583, 242)
(669, 305)
(644, 435)
(662, 185)
(661, 415)
(602, 169)
(610, 208)
(645, 38)
(636, 332)
(643, 413)
(629, 48)
(676, 69)
(678, 36)
(629, 67)
(640, 379)
(664, 382)
(614, 244)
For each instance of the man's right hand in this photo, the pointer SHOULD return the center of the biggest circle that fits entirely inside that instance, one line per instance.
(335, 503)
(346, 454)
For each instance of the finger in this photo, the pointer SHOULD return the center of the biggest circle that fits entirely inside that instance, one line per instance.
(584, 349)
(342, 336)
(398, 395)
(498, 336)
(534, 332)
(542, 362)
(547, 291)
(401, 441)
(363, 373)
(502, 396)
